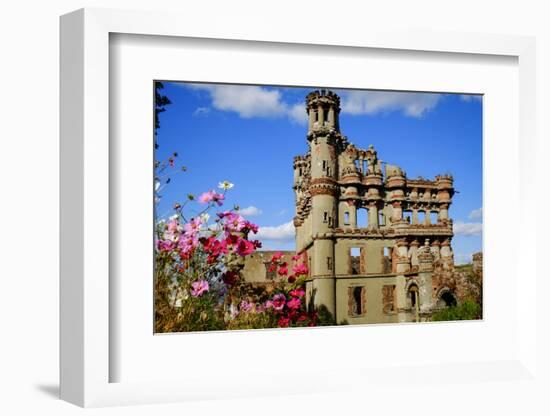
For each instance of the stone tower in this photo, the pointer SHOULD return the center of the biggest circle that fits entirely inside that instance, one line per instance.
(381, 270)
(324, 141)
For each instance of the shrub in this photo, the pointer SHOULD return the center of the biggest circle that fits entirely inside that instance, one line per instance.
(466, 311)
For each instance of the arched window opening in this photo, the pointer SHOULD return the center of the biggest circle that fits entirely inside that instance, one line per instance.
(362, 218)
(433, 217)
(413, 298)
(346, 218)
(447, 299)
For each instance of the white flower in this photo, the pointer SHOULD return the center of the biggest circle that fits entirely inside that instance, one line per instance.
(157, 186)
(225, 185)
(174, 217)
(204, 218)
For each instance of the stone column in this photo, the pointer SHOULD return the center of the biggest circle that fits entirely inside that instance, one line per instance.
(373, 215)
(331, 117)
(425, 273)
(397, 211)
(446, 253)
(414, 216)
(436, 248)
(311, 118)
(321, 115)
(403, 262)
(428, 220)
(443, 212)
(413, 252)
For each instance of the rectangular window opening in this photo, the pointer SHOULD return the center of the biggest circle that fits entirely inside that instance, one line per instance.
(356, 301)
(355, 260)
(388, 298)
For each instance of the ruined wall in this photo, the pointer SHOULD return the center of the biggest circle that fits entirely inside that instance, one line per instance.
(255, 266)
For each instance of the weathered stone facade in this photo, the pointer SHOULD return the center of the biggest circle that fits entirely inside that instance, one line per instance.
(383, 270)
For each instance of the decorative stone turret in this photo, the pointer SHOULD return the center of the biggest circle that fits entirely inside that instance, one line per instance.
(323, 108)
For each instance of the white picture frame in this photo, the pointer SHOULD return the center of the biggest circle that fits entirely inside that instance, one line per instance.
(86, 355)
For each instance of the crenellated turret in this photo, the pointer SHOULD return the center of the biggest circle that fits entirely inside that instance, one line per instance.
(323, 108)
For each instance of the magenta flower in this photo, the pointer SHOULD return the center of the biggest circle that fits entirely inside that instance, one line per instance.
(294, 303)
(246, 306)
(199, 287)
(283, 271)
(300, 269)
(234, 222)
(244, 247)
(296, 257)
(165, 245)
(188, 243)
(277, 256)
(279, 301)
(297, 293)
(193, 226)
(211, 196)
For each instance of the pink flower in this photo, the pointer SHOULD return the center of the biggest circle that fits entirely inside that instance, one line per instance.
(244, 247)
(300, 269)
(199, 287)
(211, 196)
(165, 245)
(294, 303)
(234, 222)
(297, 293)
(193, 226)
(188, 243)
(279, 301)
(296, 257)
(283, 322)
(269, 304)
(283, 271)
(251, 227)
(246, 306)
(277, 256)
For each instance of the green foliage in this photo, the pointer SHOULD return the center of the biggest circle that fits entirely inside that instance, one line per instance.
(324, 317)
(466, 311)
(253, 320)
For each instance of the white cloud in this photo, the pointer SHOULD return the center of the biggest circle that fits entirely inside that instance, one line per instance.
(372, 102)
(250, 211)
(201, 111)
(476, 213)
(250, 101)
(297, 113)
(247, 101)
(467, 228)
(279, 232)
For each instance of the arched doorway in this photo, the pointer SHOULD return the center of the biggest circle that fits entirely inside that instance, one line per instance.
(413, 297)
(446, 299)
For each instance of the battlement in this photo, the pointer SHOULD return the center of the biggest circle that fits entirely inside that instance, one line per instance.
(322, 98)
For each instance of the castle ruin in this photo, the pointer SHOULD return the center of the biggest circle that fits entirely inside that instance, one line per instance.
(380, 269)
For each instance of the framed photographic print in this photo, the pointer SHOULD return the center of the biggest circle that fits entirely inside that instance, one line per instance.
(262, 204)
(345, 238)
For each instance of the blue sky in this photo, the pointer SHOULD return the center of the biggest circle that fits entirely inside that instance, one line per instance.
(248, 135)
